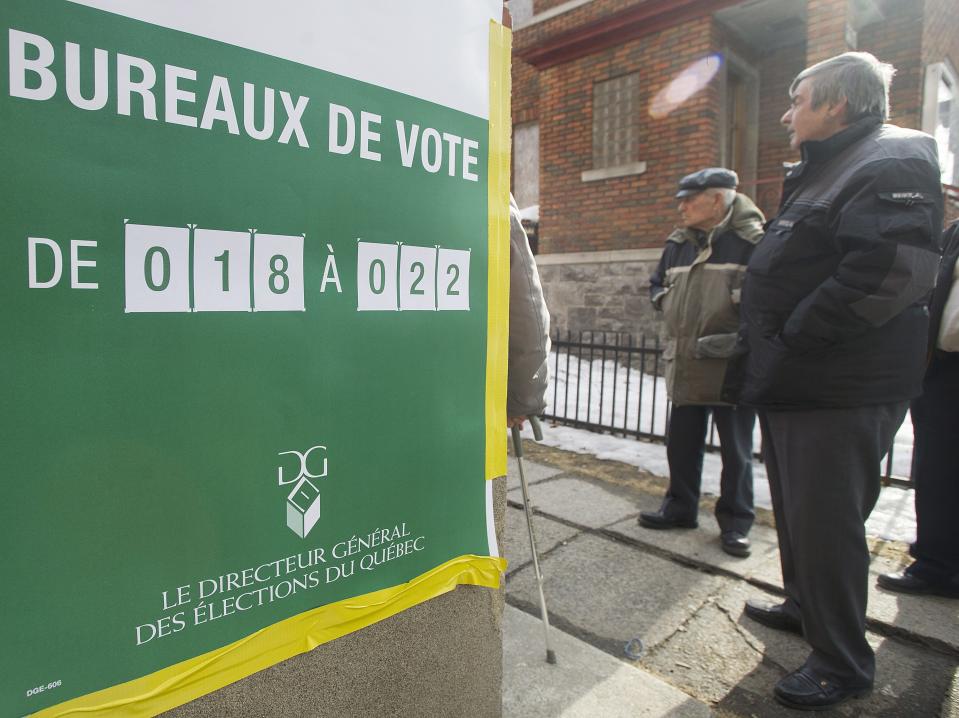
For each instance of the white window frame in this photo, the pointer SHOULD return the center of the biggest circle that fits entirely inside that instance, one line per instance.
(930, 101)
(526, 147)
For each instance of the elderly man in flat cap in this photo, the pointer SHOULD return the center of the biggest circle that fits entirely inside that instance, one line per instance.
(696, 286)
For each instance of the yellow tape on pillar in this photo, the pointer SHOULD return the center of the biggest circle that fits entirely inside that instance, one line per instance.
(500, 125)
(190, 679)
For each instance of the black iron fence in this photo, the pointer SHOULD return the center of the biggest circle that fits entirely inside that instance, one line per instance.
(612, 382)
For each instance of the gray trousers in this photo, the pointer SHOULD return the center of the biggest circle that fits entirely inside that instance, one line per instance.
(824, 476)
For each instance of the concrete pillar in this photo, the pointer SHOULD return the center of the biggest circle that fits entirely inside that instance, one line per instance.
(442, 658)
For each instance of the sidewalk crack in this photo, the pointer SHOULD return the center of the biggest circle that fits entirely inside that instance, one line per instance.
(747, 637)
(681, 627)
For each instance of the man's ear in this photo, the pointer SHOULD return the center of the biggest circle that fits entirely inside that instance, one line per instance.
(837, 110)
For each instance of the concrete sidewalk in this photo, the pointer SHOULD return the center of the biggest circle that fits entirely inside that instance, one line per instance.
(584, 683)
(609, 581)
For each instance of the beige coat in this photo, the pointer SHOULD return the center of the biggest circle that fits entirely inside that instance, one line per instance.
(697, 286)
(528, 374)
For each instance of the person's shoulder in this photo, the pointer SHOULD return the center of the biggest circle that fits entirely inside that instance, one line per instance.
(889, 132)
(895, 158)
(747, 220)
(896, 143)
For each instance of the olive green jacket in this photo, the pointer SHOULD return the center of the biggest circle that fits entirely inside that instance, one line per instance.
(697, 286)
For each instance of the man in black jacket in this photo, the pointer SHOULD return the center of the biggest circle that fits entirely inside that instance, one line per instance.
(935, 456)
(834, 339)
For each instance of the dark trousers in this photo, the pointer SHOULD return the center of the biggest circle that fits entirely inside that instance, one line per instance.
(824, 477)
(935, 472)
(685, 446)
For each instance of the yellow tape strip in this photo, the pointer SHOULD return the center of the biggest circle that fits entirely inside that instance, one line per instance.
(497, 344)
(190, 679)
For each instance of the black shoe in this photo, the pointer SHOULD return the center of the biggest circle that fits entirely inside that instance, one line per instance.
(659, 520)
(804, 690)
(772, 615)
(735, 543)
(906, 582)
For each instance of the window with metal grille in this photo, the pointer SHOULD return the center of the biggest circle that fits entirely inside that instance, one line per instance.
(616, 121)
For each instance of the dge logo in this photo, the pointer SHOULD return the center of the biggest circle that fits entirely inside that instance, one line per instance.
(303, 501)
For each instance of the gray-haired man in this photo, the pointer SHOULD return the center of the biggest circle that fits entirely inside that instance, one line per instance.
(834, 338)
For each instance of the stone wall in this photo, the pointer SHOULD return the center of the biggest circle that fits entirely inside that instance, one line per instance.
(611, 295)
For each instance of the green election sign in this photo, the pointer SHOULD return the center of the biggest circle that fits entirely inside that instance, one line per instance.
(253, 287)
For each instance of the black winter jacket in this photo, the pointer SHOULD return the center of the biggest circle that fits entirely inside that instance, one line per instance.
(834, 304)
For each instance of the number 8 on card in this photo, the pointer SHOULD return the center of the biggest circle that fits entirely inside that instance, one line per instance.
(277, 273)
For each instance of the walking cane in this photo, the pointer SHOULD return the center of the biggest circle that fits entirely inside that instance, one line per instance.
(518, 450)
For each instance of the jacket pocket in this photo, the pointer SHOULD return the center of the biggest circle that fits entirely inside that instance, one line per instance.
(716, 346)
(669, 368)
(670, 304)
(669, 351)
(770, 248)
(907, 216)
(910, 224)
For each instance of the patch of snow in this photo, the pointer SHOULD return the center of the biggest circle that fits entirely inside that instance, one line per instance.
(574, 393)
(530, 214)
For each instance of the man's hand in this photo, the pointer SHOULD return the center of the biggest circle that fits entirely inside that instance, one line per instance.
(517, 421)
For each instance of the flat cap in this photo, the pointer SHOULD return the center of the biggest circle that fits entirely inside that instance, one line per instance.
(704, 179)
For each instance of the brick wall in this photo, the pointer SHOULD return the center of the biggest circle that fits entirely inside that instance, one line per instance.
(825, 29)
(940, 36)
(897, 39)
(776, 73)
(568, 20)
(525, 96)
(638, 211)
(625, 212)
